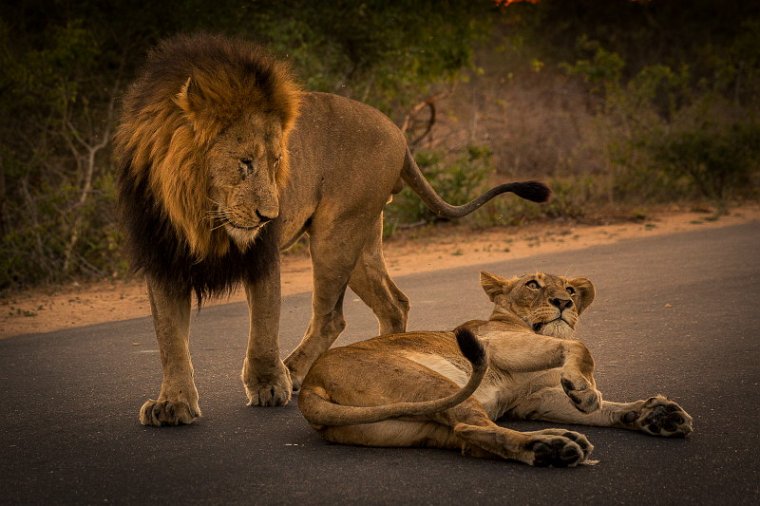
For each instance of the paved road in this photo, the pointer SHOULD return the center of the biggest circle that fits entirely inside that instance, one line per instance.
(677, 314)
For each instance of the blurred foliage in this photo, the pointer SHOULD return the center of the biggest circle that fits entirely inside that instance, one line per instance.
(672, 88)
(66, 62)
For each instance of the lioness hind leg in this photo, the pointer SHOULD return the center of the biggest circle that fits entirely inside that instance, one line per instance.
(550, 447)
(371, 282)
(393, 433)
(544, 448)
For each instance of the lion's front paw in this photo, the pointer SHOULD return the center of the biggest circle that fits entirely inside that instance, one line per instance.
(659, 416)
(559, 448)
(162, 413)
(267, 388)
(584, 395)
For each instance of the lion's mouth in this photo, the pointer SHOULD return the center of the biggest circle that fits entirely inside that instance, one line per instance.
(247, 228)
(243, 235)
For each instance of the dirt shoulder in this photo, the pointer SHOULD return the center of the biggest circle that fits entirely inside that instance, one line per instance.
(428, 249)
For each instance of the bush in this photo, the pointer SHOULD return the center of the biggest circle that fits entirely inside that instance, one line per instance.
(719, 164)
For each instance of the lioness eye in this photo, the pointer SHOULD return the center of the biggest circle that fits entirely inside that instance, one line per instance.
(277, 160)
(570, 290)
(532, 284)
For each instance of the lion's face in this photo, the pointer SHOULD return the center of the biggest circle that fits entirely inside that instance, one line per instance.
(549, 304)
(244, 168)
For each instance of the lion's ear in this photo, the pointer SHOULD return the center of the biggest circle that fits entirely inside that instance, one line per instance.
(586, 292)
(494, 285)
(190, 97)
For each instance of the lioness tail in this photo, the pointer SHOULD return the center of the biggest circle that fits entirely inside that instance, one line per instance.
(322, 412)
(412, 175)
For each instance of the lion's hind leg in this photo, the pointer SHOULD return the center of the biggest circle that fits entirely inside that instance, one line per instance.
(333, 262)
(372, 283)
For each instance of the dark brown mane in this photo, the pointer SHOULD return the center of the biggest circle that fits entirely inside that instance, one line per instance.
(156, 249)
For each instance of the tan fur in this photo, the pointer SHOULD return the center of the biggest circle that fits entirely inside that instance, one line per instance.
(537, 370)
(224, 161)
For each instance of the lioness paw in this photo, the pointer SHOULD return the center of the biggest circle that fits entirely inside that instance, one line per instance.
(163, 413)
(267, 389)
(559, 448)
(583, 394)
(659, 416)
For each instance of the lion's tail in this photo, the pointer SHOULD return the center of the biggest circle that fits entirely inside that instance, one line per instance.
(320, 411)
(412, 175)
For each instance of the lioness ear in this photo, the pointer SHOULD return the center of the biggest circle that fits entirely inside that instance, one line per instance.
(494, 285)
(190, 98)
(586, 292)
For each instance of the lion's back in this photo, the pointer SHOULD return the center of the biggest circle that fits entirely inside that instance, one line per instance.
(348, 144)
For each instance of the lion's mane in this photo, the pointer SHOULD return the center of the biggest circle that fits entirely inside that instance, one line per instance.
(160, 148)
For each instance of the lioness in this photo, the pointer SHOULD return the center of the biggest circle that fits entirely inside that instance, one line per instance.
(223, 162)
(407, 389)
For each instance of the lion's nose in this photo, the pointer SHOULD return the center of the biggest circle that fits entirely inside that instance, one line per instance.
(562, 304)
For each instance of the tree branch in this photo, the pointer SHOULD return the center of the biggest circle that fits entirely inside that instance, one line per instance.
(410, 120)
(86, 190)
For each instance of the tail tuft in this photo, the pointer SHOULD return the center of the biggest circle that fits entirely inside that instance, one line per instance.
(470, 346)
(531, 190)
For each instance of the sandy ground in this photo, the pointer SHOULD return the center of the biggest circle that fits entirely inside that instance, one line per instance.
(426, 249)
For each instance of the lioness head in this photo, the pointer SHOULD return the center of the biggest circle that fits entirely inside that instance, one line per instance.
(549, 304)
(207, 125)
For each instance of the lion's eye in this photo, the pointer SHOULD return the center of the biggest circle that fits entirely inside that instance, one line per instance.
(570, 290)
(277, 161)
(533, 284)
(245, 167)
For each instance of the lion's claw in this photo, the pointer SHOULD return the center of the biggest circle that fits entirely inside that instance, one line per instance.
(267, 395)
(270, 389)
(163, 413)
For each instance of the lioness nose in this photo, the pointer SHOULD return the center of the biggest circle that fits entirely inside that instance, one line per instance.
(562, 304)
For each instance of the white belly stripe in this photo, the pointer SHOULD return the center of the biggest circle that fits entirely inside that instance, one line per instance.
(487, 394)
(441, 366)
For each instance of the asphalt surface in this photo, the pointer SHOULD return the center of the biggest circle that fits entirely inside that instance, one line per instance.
(674, 314)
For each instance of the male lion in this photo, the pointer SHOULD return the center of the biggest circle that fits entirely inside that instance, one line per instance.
(378, 392)
(224, 162)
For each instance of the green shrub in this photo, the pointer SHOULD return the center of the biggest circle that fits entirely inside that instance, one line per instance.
(719, 164)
